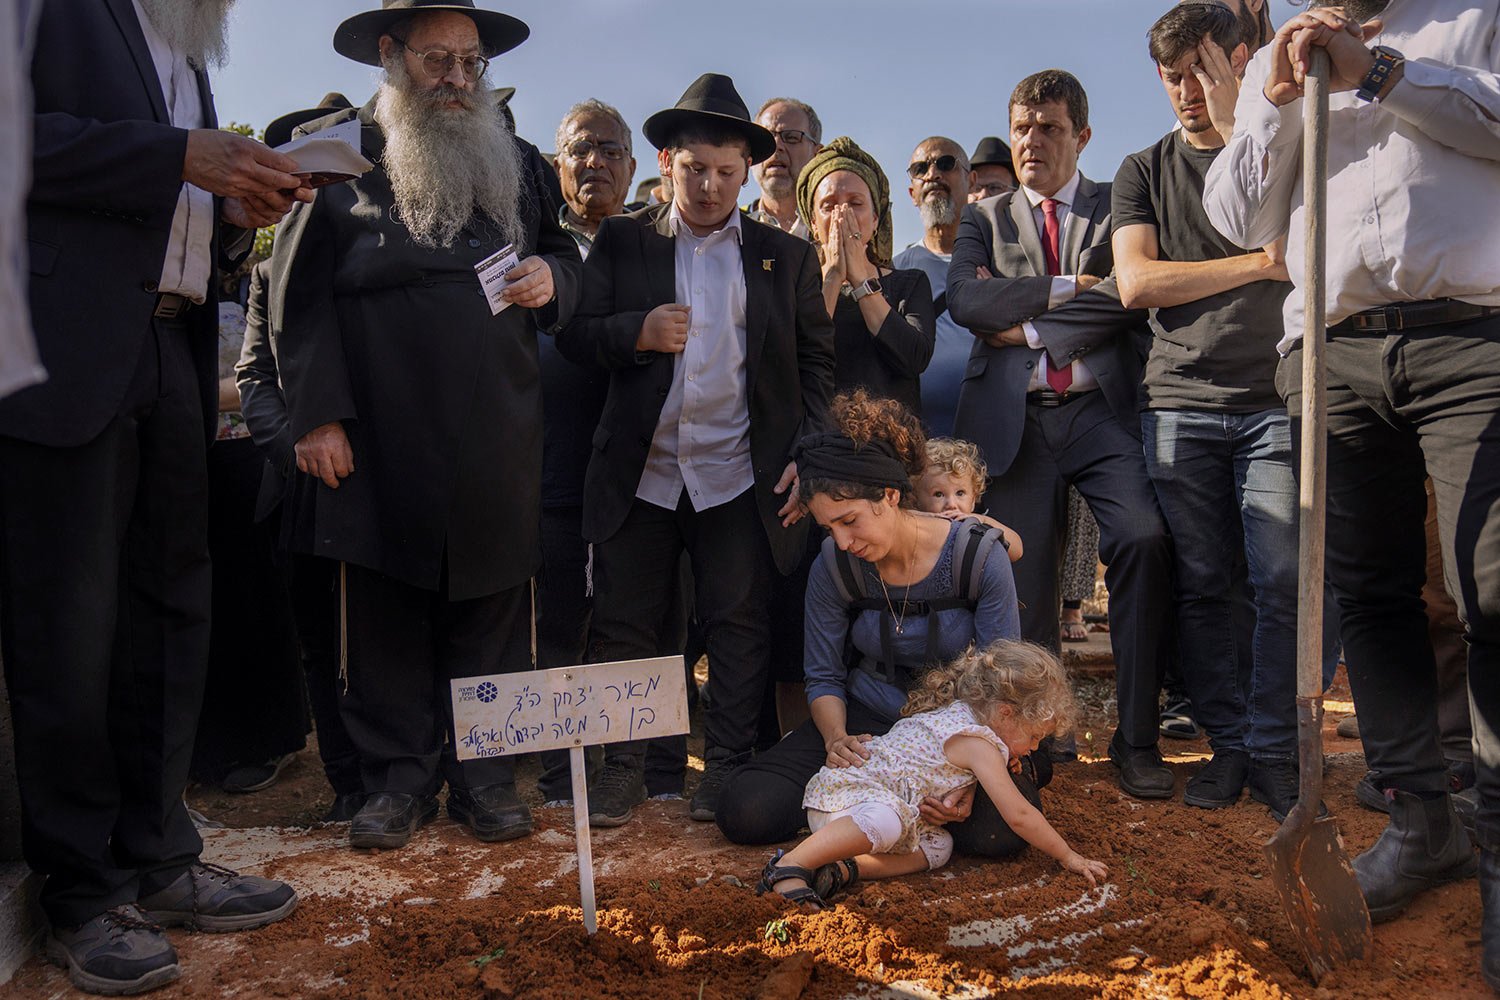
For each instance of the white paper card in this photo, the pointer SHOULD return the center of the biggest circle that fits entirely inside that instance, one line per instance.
(566, 707)
(493, 274)
(333, 151)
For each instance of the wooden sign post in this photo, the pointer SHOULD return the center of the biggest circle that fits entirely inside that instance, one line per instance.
(569, 708)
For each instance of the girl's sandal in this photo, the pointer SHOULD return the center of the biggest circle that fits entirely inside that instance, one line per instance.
(835, 877)
(805, 894)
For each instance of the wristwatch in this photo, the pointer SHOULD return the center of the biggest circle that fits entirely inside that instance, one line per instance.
(1386, 61)
(867, 287)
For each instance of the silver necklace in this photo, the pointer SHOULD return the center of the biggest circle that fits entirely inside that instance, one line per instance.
(900, 618)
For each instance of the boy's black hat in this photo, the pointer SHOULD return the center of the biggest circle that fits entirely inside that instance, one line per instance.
(711, 98)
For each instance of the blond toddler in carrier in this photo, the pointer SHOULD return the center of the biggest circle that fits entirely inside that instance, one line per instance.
(972, 719)
(954, 484)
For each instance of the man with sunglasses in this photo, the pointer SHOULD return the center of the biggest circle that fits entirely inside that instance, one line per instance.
(941, 181)
(799, 136)
(415, 403)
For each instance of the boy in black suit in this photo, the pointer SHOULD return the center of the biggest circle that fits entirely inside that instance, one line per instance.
(720, 354)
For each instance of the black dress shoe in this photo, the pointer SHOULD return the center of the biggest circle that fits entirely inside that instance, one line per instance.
(1422, 847)
(345, 805)
(492, 812)
(1142, 773)
(388, 819)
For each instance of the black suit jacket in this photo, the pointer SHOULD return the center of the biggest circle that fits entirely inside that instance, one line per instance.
(631, 270)
(1000, 233)
(107, 170)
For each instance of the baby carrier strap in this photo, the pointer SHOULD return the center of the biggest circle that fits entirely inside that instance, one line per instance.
(849, 580)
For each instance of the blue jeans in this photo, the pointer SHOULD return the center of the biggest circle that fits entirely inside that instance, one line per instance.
(1227, 488)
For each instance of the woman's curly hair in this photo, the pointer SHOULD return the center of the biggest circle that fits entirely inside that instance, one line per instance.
(1020, 674)
(864, 418)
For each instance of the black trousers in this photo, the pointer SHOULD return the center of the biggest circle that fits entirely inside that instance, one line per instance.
(762, 801)
(1082, 444)
(104, 612)
(635, 577)
(315, 609)
(405, 645)
(1402, 407)
(254, 705)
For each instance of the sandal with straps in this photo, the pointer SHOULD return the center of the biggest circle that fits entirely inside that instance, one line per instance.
(773, 873)
(835, 877)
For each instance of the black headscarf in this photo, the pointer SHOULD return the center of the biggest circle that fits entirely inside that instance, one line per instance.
(839, 458)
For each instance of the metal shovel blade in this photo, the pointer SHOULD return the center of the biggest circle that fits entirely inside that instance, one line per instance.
(1319, 894)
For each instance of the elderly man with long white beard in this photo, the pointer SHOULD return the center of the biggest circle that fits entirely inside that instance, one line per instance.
(415, 401)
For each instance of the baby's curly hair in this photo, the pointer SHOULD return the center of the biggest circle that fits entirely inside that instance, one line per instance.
(1020, 674)
(959, 459)
(864, 418)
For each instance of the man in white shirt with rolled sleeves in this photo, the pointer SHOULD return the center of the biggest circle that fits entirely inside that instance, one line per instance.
(1413, 303)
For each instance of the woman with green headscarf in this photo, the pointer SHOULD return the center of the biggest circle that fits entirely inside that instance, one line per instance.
(883, 318)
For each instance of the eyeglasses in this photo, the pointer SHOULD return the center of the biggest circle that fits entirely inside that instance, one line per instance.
(944, 163)
(438, 63)
(583, 148)
(792, 136)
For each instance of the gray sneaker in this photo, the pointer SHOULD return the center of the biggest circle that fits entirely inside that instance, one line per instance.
(214, 899)
(117, 953)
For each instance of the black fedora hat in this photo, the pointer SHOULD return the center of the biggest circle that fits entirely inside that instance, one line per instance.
(991, 150)
(280, 130)
(711, 99)
(359, 36)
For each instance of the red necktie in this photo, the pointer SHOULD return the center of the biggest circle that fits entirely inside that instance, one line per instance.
(1060, 379)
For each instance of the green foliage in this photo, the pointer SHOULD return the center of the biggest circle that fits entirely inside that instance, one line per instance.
(263, 240)
(484, 960)
(777, 930)
(240, 128)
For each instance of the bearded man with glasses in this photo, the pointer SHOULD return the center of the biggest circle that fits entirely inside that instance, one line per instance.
(417, 407)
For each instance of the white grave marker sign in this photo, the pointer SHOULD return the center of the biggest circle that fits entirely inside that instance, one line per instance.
(569, 708)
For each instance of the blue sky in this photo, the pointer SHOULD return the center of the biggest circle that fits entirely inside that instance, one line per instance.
(888, 74)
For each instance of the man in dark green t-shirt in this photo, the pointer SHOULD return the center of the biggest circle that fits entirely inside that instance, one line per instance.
(1216, 434)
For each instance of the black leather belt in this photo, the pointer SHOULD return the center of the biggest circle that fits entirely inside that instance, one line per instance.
(1049, 397)
(1412, 315)
(170, 305)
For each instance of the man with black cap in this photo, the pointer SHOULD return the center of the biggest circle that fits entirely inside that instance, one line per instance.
(720, 353)
(994, 173)
(415, 401)
(136, 198)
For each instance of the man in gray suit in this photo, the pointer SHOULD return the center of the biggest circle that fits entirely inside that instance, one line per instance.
(1051, 396)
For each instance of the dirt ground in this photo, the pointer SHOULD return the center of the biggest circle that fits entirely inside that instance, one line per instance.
(1188, 910)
